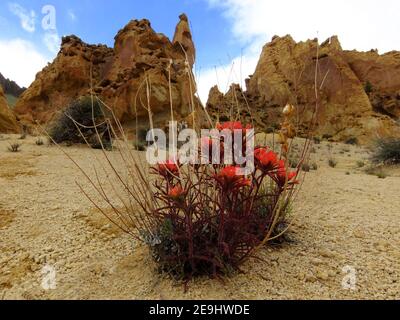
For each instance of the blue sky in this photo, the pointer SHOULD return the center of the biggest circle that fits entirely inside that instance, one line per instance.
(229, 34)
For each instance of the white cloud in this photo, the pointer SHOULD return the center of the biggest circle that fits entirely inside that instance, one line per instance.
(360, 25)
(52, 41)
(20, 61)
(26, 17)
(224, 75)
(71, 14)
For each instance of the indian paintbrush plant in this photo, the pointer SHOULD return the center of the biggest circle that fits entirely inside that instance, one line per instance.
(210, 218)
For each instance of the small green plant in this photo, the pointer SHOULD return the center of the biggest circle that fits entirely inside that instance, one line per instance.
(314, 166)
(332, 162)
(317, 140)
(368, 88)
(14, 147)
(39, 142)
(382, 175)
(23, 136)
(306, 167)
(360, 164)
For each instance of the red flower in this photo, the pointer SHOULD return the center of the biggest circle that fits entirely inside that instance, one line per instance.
(281, 176)
(232, 125)
(176, 192)
(168, 168)
(228, 177)
(266, 160)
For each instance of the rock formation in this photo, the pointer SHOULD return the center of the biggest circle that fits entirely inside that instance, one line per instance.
(358, 93)
(132, 78)
(8, 123)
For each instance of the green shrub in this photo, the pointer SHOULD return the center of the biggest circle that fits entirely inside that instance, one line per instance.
(368, 88)
(14, 147)
(314, 166)
(317, 140)
(39, 142)
(82, 111)
(360, 164)
(387, 151)
(332, 162)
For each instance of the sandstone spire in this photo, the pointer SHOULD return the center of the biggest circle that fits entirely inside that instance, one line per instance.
(183, 36)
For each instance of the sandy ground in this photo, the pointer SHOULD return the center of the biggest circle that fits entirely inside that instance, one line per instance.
(346, 223)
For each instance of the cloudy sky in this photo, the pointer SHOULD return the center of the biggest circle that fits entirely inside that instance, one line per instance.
(229, 34)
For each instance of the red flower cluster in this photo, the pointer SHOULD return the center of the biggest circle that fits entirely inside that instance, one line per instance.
(168, 168)
(176, 193)
(228, 178)
(267, 161)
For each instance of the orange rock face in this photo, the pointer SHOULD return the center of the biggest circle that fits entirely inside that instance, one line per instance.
(8, 123)
(347, 106)
(141, 75)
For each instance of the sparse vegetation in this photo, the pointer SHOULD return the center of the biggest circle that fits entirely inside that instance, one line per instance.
(23, 136)
(39, 142)
(387, 151)
(378, 171)
(306, 167)
(14, 147)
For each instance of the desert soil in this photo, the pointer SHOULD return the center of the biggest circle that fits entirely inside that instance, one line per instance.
(343, 221)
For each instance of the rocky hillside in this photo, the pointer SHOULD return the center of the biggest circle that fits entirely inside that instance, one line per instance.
(11, 87)
(358, 92)
(141, 60)
(8, 123)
